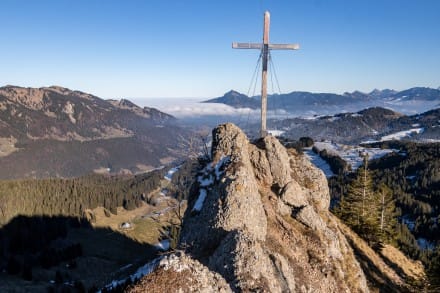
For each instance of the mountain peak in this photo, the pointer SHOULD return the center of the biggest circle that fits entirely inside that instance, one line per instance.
(259, 221)
(236, 99)
(128, 104)
(233, 93)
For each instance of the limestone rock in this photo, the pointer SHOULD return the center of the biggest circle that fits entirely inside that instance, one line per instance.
(264, 225)
(294, 195)
(277, 156)
(261, 165)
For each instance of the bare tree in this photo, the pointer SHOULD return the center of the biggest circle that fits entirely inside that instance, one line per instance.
(195, 145)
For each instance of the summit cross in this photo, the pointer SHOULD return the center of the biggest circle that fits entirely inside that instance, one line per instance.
(264, 47)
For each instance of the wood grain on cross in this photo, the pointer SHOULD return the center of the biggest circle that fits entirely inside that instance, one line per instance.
(264, 47)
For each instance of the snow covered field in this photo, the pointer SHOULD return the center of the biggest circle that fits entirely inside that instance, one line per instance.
(351, 154)
(402, 134)
(319, 162)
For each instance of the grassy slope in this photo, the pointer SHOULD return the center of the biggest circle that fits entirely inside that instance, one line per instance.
(393, 273)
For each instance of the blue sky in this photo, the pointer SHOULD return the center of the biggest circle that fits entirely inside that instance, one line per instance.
(182, 48)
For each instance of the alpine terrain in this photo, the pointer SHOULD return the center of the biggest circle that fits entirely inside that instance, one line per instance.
(258, 220)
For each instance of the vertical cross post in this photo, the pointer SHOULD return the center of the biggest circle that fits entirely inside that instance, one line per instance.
(265, 47)
(263, 129)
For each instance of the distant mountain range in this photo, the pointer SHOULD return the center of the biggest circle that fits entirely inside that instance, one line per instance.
(412, 100)
(54, 131)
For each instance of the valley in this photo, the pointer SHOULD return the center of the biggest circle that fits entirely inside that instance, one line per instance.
(120, 196)
(111, 239)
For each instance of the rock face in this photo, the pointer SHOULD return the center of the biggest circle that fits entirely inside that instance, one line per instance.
(264, 224)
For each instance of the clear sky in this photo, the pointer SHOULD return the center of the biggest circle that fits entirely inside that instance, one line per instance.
(182, 48)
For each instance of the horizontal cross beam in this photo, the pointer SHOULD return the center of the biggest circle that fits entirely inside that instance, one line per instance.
(259, 46)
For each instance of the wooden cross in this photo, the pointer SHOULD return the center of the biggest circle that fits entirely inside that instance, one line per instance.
(264, 47)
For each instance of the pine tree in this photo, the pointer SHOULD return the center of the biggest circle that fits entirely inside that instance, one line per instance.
(359, 207)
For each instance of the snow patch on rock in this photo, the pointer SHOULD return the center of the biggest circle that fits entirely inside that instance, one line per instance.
(200, 200)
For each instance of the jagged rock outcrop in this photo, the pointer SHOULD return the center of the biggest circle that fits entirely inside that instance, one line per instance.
(264, 223)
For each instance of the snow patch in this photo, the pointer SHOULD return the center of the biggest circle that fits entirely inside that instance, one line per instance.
(276, 132)
(200, 200)
(142, 271)
(319, 162)
(351, 154)
(163, 245)
(224, 160)
(209, 175)
(170, 173)
(172, 262)
(402, 134)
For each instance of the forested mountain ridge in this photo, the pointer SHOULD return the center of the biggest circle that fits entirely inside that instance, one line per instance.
(55, 131)
(366, 125)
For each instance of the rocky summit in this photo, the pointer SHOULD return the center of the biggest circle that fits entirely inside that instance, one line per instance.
(259, 221)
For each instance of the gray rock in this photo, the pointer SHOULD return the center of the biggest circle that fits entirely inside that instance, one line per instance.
(294, 195)
(279, 161)
(266, 239)
(261, 166)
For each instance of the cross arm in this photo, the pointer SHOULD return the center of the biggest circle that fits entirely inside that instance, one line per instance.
(258, 46)
(283, 46)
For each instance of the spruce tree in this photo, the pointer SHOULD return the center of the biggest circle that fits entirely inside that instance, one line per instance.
(359, 206)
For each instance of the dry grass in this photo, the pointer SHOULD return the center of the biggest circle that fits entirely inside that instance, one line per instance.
(147, 225)
(164, 281)
(378, 272)
(411, 268)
